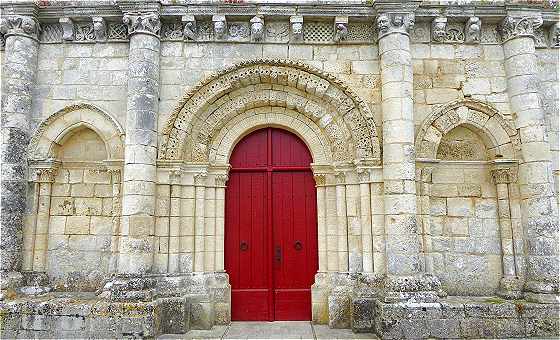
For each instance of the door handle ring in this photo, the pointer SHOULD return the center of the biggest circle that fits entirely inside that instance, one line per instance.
(243, 246)
(298, 246)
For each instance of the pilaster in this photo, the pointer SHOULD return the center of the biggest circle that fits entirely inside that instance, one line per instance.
(538, 205)
(20, 29)
(139, 178)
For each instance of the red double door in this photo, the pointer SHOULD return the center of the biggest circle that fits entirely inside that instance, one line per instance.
(271, 227)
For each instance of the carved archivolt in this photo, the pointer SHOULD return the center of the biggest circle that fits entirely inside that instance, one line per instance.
(499, 135)
(222, 145)
(320, 97)
(52, 130)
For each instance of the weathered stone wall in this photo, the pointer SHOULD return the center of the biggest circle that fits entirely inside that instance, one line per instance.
(73, 72)
(430, 136)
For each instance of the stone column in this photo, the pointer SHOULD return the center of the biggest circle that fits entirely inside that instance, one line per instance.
(332, 228)
(424, 193)
(45, 178)
(199, 229)
(510, 286)
(221, 181)
(342, 231)
(175, 213)
(365, 218)
(18, 79)
(353, 218)
(116, 179)
(403, 245)
(321, 221)
(538, 204)
(139, 178)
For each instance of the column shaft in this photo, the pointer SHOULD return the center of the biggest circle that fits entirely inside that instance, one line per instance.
(139, 179)
(18, 80)
(402, 242)
(539, 211)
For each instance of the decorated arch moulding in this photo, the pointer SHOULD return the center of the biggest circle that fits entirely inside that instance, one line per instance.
(54, 129)
(334, 106)
(223, 144)
(498, 134)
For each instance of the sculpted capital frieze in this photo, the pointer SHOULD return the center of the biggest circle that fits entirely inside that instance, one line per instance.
(22, 25)
(142, 22)
(388, 23)
(512, 27)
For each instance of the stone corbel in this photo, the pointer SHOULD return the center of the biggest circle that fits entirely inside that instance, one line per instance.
(175, 176)
(189, 30)
(142, 22)
(340, 28)
(221, 180)
(99, 28)
(388, 23)
(220, 26)
(67, 28)
(296, 28)
(513, 27)
(26, 26)
(439, 29)
(554, 35)
(257, 28)
(473, 29)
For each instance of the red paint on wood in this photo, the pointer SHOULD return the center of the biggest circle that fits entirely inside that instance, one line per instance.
(271, 227)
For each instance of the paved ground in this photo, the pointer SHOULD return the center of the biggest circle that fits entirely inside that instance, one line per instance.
(271, 330)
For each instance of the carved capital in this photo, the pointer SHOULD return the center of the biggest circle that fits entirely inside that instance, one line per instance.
(513, 27)
(142, 22)
(296, 27)
(504, 175)
(340, 28)
(175, 176)
(200, 178)
(439, 29)
(363, 175)
(320, 179)
(67, 28)
(257, 28)
(189, 30)
(388, 23)
(115, 174)
(99, 28)
(220, 26)
(340, 177)
(221, 180)
(554, 35)
(46, 175)
(473, 29)
(22, 25)
(426, 174)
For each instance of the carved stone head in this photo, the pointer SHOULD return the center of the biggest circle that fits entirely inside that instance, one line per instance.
(439, 29)
(554, 35)
(383, 22)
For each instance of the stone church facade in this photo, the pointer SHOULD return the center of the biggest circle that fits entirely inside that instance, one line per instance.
(432, 127)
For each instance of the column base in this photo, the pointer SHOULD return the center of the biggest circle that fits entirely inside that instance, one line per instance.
(413, 288)
(511, 288)
(542, 292)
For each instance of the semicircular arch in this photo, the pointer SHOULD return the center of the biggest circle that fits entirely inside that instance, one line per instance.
(499, 136)
(319, 96)
(54, 129)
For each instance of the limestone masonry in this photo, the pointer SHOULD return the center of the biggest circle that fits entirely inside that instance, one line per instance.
(433, 128)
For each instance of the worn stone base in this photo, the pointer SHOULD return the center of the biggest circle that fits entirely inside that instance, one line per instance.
(129, 307)
(466, 317)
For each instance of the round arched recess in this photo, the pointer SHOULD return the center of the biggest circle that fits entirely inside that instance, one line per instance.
(341, 116)
(52, 131)
(499, 136)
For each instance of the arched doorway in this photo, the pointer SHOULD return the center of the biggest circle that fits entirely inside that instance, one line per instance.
(271, 227)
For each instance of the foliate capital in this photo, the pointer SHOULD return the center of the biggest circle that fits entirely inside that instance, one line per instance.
(22, 25)
(512, 27)
(388, 23)
(142, 22)
(504, 175)
(555, 35)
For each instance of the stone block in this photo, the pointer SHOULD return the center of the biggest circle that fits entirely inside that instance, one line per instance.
(82, 190)
(441, 96)
(458, 206)
(202, 313)
(88, 206)
(363, 315)
(77, 225)
(340, 310)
